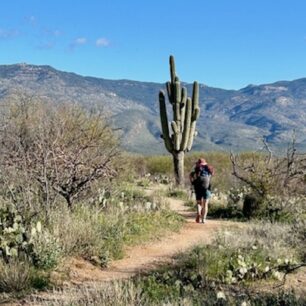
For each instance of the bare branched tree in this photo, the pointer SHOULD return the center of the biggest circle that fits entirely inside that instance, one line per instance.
(267, 173)
(63, 149)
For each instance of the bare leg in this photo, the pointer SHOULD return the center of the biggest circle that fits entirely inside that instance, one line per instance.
(204, 210)
(199, 210)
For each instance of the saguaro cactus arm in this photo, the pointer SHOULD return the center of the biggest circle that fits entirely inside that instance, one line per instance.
(185, 114)
(195, 114)
(164, 122)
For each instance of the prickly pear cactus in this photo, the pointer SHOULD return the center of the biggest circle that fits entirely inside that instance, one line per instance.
(26, 241)
(13, 237)
(186, 111)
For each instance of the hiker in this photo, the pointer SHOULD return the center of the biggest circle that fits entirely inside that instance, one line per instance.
(200, 178)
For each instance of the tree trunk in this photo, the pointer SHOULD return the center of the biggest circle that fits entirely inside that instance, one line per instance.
(68, 200)
(178, 161)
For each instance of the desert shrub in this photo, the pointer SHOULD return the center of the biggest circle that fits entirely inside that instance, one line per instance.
(117, 293)
(144, 181)
(176, 192)
(225, 211)
(100, 234)
(159, 165)
(84, 231)
(277, 240)
(15, 275)
(143, 227)
(278, 299)
(220, 274)
(66, 149)
(273, 181)
(149, 291)
(46, 250)
(252, 205)
(224, 205)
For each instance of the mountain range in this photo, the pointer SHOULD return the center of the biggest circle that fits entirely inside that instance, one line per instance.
(229, 120)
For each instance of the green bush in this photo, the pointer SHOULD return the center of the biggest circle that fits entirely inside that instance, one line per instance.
(46, 251)
(177, 193)
(159, 165)
(252, 205)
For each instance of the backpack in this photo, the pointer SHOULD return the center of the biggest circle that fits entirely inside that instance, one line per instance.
(203, 174)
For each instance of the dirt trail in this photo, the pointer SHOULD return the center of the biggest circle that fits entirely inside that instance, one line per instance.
(146, 257)
(139, 259)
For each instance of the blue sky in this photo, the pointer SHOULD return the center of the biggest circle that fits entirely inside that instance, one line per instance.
(221, 43)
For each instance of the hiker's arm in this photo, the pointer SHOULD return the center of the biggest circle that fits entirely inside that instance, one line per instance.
(191, 176)
(211, 170)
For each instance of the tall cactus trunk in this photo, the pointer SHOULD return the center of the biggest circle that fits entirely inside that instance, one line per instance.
(186, 111)
(178, 162)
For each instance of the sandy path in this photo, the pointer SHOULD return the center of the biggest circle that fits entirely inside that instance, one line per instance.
(142, 258)
(146, 257)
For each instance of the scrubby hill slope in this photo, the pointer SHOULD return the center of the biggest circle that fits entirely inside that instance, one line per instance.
(230, 119)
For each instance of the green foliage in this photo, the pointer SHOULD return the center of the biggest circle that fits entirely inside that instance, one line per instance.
(14, 240)
(177, 193)
(143, 227)
(159, 165)
(46, 251)
(226, 212)
(252, 205)
(31, 242)
(144, 182)
(100, 234)
(279, 299)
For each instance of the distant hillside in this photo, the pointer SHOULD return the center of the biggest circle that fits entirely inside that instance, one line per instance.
(230, 119)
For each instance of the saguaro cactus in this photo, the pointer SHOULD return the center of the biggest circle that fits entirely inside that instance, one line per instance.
(186, 111)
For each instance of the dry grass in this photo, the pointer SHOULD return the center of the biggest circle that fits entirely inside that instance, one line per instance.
(14, 276)
(113, 294)
(276, 239)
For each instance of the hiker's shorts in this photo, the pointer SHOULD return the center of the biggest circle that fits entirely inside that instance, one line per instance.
(202, 193)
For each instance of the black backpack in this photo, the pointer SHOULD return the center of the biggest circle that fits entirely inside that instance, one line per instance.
(203, 176)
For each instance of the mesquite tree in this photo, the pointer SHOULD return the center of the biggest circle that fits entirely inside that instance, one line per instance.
(49, 150)
(186, 111)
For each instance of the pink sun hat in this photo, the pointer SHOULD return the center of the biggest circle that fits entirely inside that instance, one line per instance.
(201, 161)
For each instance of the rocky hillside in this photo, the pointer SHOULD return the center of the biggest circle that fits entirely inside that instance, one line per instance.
(230, 119)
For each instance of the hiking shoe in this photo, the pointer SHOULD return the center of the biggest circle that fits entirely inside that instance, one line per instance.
(197, 219)
(203, 221)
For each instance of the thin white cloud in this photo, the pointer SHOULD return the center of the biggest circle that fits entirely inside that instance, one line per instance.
(31, 20)
(52, 33)
(46, 45)
(56, 33)
(8, 33)
(80, 41)
(102, 42)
